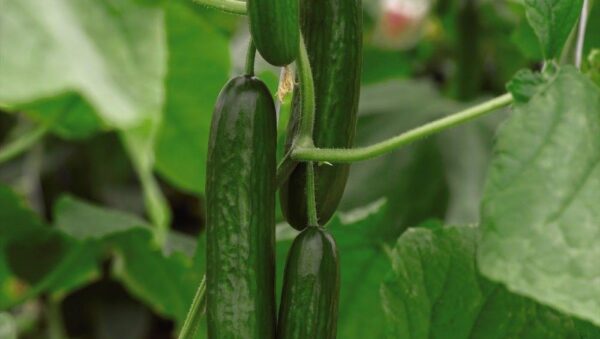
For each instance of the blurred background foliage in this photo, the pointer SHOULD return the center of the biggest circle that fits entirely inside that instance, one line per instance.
(117, 96)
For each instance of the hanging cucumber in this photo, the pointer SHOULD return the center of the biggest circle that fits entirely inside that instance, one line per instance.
(311, 287)
(240, 203)
(332, 31)
(275, 29)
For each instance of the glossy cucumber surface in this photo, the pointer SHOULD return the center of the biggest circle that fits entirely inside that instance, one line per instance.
(275, 29)
(332, 31)
(311, 287)
(240, 204)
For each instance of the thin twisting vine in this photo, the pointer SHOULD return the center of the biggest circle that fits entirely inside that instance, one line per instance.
(334, 155)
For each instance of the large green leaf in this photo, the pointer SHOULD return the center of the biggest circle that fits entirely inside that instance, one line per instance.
(68, 116)
(198, 68)
(364, 264)
(65, 264)
(112, 53)
(165, 282)
(84, 221)
(158, 280)
(553, 21)
(83, 236)
(435, 291)
(540, 213)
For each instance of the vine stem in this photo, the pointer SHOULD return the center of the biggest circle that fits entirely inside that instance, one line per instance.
(56, 329)
(581, 34)
(229, 6)
(335, 155)
(250, 58)
(192, 320)
(311, 204)
(307, 99)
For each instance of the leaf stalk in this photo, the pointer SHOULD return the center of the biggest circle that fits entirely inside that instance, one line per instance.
(338, 155)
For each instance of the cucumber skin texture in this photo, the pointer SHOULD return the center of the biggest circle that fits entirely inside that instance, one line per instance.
(240, 198)
(332, 31)
(311, 287)
(275, 29)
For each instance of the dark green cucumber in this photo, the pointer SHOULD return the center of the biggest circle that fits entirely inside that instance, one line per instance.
(311, 287)
(275, 29)
(332, 31)
(240, 204)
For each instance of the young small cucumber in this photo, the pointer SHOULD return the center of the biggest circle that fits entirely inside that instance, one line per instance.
(275, 29)
(332, 31)
(240, 205)
(311, 287)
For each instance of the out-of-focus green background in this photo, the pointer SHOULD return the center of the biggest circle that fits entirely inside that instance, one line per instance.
(118, 95)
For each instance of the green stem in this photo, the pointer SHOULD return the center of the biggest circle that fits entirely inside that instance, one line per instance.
(192, 320)
(334, 155)
(307, 103)
(311, 205)
(229, 6)
(156, 204)
(250, 57)
(581, 33)
(22, 143)
(56, 329)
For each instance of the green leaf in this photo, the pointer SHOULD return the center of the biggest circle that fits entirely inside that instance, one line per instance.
(11, 288)
(85, 221)
(165, 282)
(83, 236)
(157, 280)
(524, 38)
(112, 53)
(198, 68)
(364, 264)
(553, 21)
(525, 84)
(435, 291)
(68, 116)
(540, 212)
(65, 264)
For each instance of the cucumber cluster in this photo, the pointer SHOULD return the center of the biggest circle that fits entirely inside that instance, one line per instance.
(241, 177)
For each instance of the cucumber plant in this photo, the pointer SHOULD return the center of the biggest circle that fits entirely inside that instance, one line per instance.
(313, 174)
(522, 265)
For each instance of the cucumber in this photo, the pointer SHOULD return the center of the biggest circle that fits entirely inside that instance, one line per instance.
(240, 202)
(311, 288)
(332, 31)
(275, 29)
